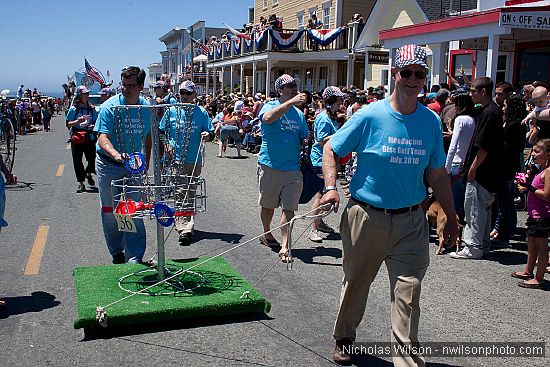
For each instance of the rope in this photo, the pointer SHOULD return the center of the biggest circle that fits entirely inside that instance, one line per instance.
(303, 216)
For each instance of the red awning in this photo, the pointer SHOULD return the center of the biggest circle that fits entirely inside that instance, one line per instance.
(462, 21)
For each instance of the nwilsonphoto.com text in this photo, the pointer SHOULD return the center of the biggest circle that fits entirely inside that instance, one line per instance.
(451, 349)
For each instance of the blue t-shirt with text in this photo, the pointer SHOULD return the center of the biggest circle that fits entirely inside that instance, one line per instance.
(131, 127)
(281, 140)
(393, 150)
(177, 131)
(75, 112)
(322, 127)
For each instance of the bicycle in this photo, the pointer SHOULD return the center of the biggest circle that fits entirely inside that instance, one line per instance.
(7, 136)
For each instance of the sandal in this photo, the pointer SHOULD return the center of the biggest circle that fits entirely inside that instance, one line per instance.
(269, 242)
(530, 285)
(285, 257)
(516, 274)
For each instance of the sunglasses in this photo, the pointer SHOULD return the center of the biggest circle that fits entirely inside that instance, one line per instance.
(408, 73)
(186, 93)
(291, 85)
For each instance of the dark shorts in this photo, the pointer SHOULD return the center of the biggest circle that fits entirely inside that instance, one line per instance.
(538, 227)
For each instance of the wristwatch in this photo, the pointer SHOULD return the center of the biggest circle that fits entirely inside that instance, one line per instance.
(329, 188)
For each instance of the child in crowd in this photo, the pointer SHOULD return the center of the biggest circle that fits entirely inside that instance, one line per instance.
(539, 98)
(46, 117)
(538, 222)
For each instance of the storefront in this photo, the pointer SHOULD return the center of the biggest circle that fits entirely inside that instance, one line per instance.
(506, 40)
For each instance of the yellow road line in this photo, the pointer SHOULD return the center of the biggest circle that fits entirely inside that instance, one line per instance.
(35, 258)
(60, 170)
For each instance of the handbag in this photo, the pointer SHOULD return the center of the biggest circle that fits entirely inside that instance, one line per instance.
(78, 137)
(312, 183)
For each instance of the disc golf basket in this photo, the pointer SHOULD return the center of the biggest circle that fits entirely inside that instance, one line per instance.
(172, 191)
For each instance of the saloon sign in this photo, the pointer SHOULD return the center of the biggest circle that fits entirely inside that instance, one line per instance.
(379, 57)
(526, 20)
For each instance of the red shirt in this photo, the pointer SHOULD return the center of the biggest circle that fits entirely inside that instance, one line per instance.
(436, 107)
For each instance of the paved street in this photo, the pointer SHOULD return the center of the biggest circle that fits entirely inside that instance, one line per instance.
(462, 301)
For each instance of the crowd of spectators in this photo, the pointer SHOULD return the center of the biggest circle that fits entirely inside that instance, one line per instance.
(31, 111)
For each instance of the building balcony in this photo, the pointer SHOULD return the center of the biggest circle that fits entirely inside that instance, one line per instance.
(286, 41)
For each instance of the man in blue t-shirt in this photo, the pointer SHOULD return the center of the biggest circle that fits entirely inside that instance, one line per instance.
(121, 133)
(396, 141)
(284, 130)
(173, 135)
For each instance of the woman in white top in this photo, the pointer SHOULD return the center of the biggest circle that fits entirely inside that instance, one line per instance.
(463, 126)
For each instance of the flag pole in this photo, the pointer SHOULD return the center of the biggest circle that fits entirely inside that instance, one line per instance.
(192, 55)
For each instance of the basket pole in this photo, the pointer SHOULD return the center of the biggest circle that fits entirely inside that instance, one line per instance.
(158, 196)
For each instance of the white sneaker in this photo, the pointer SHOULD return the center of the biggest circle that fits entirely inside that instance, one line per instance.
(314, 236)
(465, 253)
(323, 227)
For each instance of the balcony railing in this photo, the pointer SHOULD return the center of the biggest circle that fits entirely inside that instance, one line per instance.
(286, 40)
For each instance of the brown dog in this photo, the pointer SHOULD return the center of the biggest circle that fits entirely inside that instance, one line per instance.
(438, 219)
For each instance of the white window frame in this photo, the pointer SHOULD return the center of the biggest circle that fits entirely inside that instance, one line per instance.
(326, 8)
(312, 11)
(300, 15)
(265, 4)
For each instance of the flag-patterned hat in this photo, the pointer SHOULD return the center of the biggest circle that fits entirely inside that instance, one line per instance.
(332, 91)
(411, 55)
(105, 91)
(283, 80)
(82, 90)
(160, 84)
(188, 85)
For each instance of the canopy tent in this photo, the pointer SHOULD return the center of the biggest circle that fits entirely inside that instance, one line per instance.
(200, 58)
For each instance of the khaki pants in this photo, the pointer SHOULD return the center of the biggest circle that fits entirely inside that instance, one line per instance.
(187, 193)
(370, 237)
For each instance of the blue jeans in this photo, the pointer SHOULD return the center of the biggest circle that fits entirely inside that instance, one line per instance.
(505, 211)
(458, 189)
(477, 208)
(133, 244)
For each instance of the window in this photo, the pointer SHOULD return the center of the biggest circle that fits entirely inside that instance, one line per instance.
(274, 2)
(299, 19)
(384, 76)
(309, 79)
(323, 77)
(501, 68)
(326, 14)
(265, 4)
(312, 11)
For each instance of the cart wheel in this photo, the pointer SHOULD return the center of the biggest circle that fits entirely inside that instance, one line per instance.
(164, 214)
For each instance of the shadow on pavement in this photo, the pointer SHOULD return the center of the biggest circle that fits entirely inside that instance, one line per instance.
(129, 330)
(225, 237)
(507, 257)
(36, 302)
(21, 186)
(308, 255)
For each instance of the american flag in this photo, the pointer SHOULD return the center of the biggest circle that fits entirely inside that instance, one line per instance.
(200, 46)
(407, 52)
(92, 73)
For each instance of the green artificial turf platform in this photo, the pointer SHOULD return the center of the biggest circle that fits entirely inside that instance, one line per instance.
(212, 289)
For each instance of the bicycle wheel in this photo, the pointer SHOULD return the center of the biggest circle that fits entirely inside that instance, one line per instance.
(7, 142)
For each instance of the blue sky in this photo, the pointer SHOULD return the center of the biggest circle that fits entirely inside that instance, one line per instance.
(43, 41)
